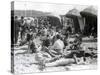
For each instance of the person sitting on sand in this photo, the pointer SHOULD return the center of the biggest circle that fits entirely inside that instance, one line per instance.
(57, 47)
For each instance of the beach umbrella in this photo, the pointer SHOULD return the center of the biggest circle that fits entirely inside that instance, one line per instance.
(89, 11)
(90, 16)
(73, 13)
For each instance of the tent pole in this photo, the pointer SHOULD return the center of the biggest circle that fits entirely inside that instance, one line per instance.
(73, 26)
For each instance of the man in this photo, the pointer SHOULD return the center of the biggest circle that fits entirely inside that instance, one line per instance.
(32, 47)
(57, 48)
(46, 42)
(22, 23)
(77, 42)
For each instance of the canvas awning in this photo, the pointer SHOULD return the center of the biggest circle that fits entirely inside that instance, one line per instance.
(90, 11)
(90, 16)
(73, 13)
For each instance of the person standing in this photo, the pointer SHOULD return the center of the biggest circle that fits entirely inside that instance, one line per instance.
(22, 23)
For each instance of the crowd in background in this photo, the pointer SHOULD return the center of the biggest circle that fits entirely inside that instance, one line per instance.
(55, 40)
(28, 29)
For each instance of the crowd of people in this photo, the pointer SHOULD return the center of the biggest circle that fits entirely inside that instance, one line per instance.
(27, 30)
(56, 42)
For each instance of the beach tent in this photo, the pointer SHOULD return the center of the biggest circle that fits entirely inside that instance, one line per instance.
(90, 16)
(54, 21)
(74, 14)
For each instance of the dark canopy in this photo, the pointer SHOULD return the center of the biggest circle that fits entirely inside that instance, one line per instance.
(54, 21)
(74, 14)
(90, 11)
(90, 15)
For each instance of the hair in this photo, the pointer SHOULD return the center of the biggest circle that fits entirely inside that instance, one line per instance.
(47, 35)
(22, 17)
(16, 17)
(58, 36)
